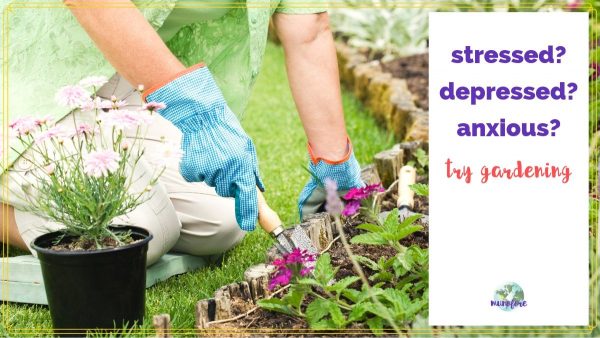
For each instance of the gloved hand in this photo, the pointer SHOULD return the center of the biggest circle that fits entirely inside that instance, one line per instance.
(216, 148)
(346, 173)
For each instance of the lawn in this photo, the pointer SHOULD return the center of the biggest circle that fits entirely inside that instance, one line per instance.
(272, 121)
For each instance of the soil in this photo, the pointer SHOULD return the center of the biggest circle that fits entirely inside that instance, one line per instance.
(415, 69)
(79, 244)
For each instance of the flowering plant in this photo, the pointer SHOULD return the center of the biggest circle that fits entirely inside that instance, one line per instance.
(292, 266)
(83, 173)
(355, 197)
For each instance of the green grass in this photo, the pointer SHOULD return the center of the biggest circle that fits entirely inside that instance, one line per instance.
(272, 121)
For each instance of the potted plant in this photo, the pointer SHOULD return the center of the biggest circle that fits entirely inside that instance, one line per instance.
(94, 271)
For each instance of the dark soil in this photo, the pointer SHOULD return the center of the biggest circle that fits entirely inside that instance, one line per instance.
(80, 244)
(415, 69)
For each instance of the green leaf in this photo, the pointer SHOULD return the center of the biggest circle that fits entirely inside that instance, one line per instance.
(391, 220)
(275, 304)
(376, 325)
(295, 296)
(326, 324)
(336, 315)
(324, 272)
(367, 262)
(351, 294)
(400, 233)
(316, 310)
(358, 312)
(342, 284)
(308, 281)
(369, 238)
(420, 189)
(383, 276)
(369, 227)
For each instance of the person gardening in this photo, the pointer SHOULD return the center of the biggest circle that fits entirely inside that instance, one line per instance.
(201, 62)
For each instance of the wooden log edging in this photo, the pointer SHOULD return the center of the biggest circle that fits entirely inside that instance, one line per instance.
(388, 98)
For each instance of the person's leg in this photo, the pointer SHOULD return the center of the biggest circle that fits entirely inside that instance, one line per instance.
(9, 227)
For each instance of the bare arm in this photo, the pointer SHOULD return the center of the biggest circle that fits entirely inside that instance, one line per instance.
(312, 69)
(127, 40)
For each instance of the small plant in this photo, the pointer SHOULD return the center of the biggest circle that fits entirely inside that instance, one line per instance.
(421, 162)
(398, 297)
(420, 189)
(83, 175)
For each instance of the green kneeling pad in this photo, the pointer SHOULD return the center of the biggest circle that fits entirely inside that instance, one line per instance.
(22, 280)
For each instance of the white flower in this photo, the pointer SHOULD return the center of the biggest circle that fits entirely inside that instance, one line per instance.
(93, 81)
(167, 153)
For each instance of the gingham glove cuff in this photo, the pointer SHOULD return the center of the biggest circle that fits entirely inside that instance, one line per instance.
(346, 174)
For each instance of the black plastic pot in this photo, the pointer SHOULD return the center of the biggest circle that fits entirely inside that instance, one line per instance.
(101, 289)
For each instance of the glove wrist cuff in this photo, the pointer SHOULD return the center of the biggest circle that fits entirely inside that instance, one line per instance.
(315, 159)
(161, 84)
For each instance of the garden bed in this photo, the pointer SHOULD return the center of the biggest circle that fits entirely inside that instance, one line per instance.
(234, 310)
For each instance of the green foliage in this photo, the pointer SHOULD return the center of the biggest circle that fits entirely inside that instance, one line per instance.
(400, 292)
(504, 5)
(421, 162)
(383, 27)
(420, 189)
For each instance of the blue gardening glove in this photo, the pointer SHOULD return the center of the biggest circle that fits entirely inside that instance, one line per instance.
(216, 148)
(346, 173)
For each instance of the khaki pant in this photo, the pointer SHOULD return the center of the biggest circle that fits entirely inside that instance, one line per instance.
(182, 216)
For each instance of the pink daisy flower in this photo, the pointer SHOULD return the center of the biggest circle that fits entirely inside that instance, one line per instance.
(154, 106)
(72, 96)
(96, 103)
(23, 125)
(125, 119)
(101, 163)
(57, 132)
(168, 152)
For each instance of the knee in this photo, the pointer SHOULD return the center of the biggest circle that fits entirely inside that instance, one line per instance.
(202, 238)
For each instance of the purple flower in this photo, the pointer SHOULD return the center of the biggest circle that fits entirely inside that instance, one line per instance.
(333, 203)
(356, 195)
(283, 277)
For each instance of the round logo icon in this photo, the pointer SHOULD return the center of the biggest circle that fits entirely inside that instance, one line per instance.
(509, 296)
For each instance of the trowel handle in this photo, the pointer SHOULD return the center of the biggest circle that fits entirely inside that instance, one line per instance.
(407, 177)
(268, 219)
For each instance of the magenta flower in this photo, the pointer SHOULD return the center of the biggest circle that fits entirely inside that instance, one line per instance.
(72, 96)
(356, 195)
(23, 125)
(291, 266)
(101, 163)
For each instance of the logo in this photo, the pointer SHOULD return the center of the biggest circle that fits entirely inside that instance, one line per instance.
(509, 297)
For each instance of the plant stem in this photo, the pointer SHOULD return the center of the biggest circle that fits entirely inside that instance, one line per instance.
(362, 275)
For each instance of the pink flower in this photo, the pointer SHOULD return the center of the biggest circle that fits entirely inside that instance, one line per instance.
(72, 96)
(101, 163)
(44, 120)
(125, 119)
(282, 278)
(333, 203)
(56, 132)
(23, 125)
(154, 106)
(49, 169)
(85, 129)
(96, 103)
(574, 4)
(93, 81)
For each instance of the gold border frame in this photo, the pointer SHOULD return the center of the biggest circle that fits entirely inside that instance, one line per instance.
(524, 330)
